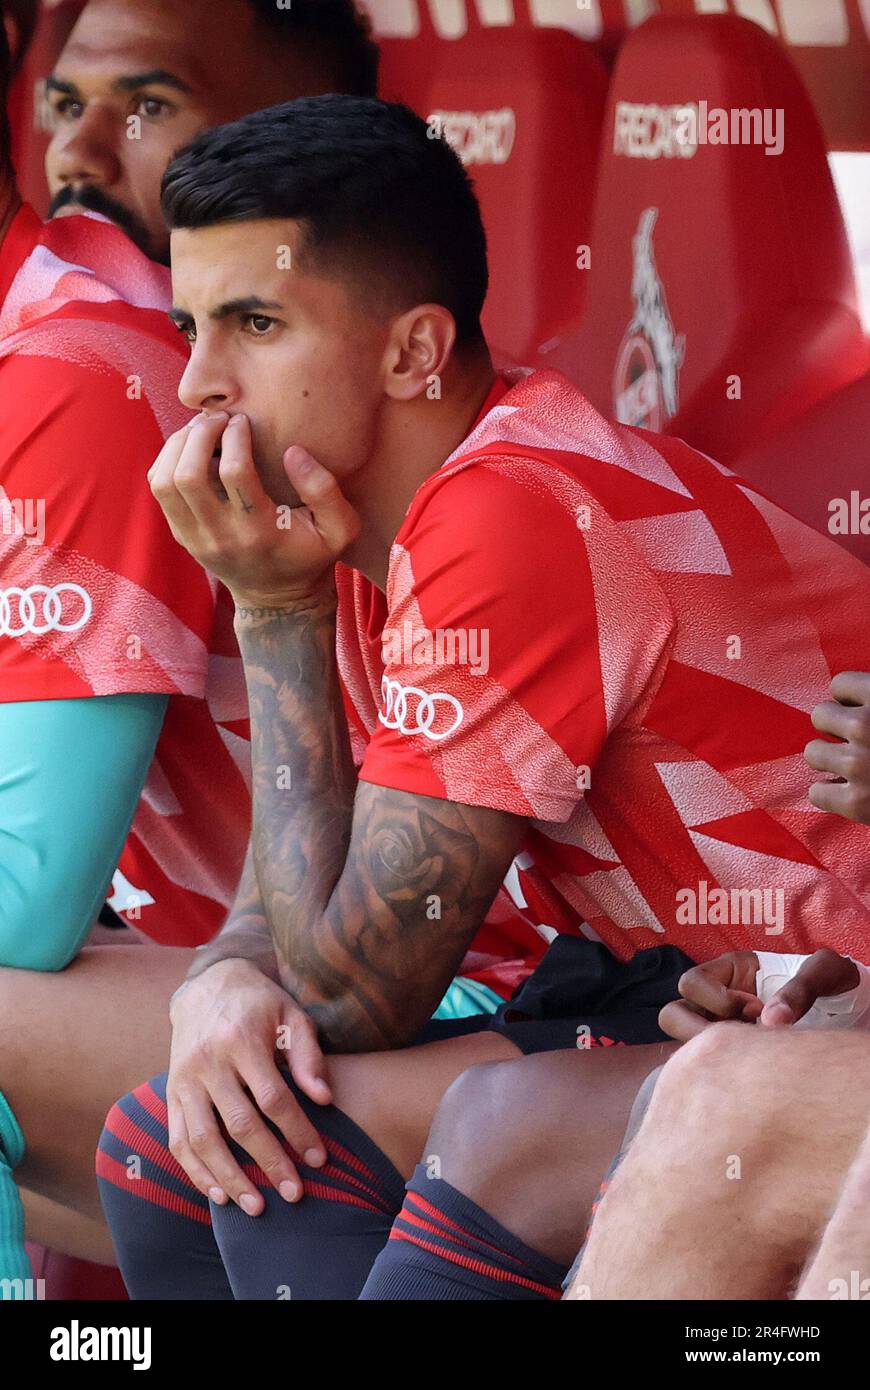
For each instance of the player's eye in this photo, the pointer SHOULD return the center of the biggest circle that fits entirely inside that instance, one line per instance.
(65, 109)
(153, 108)
(259, 324)
(187, 330)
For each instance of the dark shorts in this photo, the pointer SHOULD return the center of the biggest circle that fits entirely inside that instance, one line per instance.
(580, 996)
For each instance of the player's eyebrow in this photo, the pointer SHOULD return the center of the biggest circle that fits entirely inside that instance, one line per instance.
(154, 77)
(251, 304)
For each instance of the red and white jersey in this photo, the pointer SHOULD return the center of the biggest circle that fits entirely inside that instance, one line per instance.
(644, 638)
(96, 597)
(603, 630)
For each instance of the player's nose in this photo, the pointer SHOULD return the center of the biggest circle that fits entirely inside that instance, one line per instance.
(87, 154)
(202, 386)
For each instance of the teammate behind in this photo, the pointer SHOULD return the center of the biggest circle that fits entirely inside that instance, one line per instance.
(137, 79)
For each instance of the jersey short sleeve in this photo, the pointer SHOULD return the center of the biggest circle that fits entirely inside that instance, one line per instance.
(96, 597)
(522, 629)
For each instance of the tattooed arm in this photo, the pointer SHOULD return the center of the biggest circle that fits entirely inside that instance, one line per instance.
(373, 895)
(346, 883)
(245, 935)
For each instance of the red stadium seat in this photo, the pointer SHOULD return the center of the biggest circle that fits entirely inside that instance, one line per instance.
(525, 109)
(721, 300)
(68, 1279)
(816, 466)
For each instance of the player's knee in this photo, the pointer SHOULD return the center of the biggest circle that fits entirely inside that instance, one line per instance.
(698, 1099)
(484, 1121)
(706, 1065)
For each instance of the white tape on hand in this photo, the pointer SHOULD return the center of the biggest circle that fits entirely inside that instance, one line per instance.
(849, 1010)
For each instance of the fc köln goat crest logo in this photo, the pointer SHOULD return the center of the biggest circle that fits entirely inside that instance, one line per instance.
(646, 378)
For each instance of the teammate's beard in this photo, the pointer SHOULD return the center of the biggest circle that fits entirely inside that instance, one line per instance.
(87, 195)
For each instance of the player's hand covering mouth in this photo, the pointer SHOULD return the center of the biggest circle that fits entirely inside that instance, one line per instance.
(243, 541)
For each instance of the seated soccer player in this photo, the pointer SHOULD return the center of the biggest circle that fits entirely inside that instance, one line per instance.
(121, 689)
(785, 1111)
(598, 664)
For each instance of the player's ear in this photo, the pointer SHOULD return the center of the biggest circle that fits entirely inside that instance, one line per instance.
(419, 348)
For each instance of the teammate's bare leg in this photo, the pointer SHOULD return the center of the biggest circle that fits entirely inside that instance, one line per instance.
(748, 1137)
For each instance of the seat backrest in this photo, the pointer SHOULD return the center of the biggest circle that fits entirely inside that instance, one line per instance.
(524, 109)
(721, 298)
(816, 468)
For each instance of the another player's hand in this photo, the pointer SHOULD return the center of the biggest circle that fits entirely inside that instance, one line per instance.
(725, 988)
(846, 717)
(268, 556)
(718, 989)
(822, 974)
(226, 1027)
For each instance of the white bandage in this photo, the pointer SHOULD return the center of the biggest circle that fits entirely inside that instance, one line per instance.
(849, 1010)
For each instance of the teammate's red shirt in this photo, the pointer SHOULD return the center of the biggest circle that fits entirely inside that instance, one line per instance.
(109, 603)
(645, 637)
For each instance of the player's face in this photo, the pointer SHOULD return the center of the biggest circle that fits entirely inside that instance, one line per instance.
(137, 80)
(295, 352)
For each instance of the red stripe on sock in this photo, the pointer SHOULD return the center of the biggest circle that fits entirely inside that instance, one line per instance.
(150, 1101)
(476, 1266)
(148, 1191)
(413, 1220)
(127, 1131)
(332, 1194)
(334, 1150)
(257, 1176)
(333, 1147)
(439, 1216)
(330, 1171)
(156, 1107)
(315, 1189)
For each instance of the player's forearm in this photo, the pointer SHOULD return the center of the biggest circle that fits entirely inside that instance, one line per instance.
(245, 935)
(303, 774)
(373, 895)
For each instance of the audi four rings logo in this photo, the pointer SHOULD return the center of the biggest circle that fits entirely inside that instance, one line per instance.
(40, 609)
(413, 711)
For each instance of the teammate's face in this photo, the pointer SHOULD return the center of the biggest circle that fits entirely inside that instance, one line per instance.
(137, 80)
(295, 352)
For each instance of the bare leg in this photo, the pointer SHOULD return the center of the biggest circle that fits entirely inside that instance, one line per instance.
(841, 1267)
(70, 1044)
(529, 1141)
(61, 1228)
(747, 1139)
(393, 1096)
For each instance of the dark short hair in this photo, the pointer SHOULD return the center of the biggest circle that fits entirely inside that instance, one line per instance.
(334, 31)
(383, 200)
